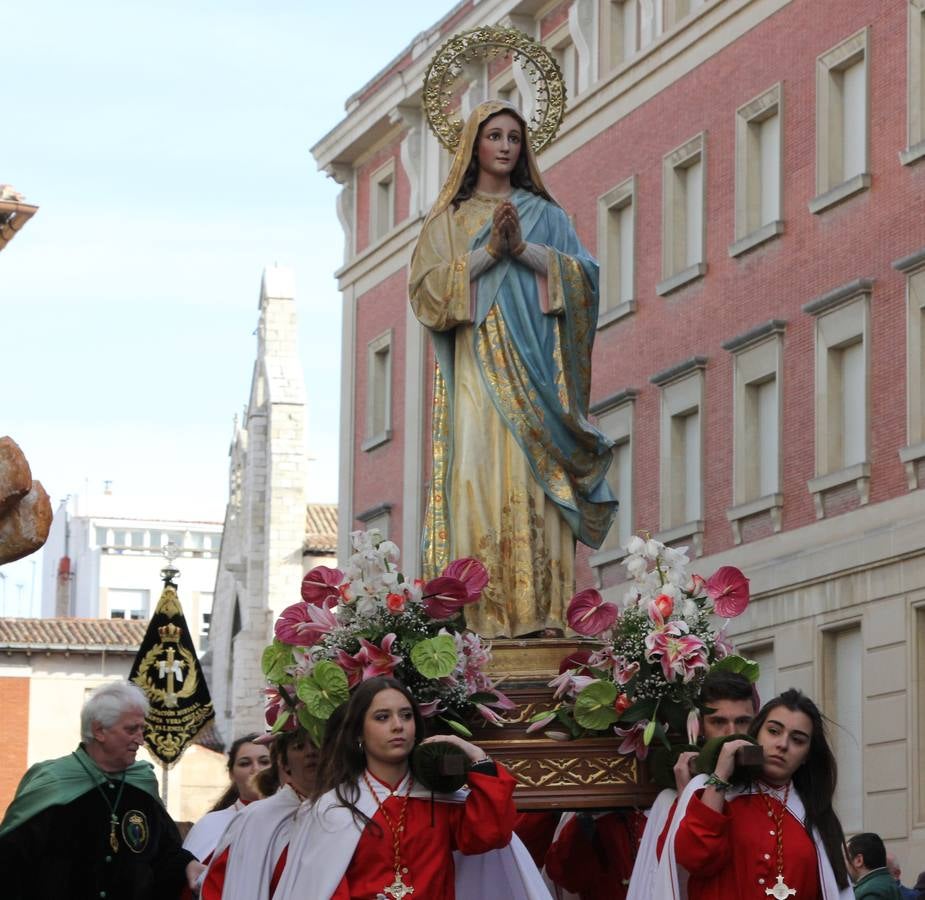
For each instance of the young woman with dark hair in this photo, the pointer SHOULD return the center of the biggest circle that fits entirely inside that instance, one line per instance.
(372, 831)
(249, 858)
(245, 759)
(779, 835)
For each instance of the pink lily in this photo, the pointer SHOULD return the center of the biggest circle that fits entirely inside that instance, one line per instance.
(321, 583)
(632, 739)
(727, 587)
(471, 573)
(378, 660)
(489, 714)
(679, 653)
(589, 614)
(429, 709)
(570, 683)
(693, 726)
(541, 723)
(275, 705)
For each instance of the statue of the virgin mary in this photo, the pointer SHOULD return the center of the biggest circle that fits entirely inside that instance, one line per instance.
(510, 297)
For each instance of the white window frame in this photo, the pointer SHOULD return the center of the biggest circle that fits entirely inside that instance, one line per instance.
(558, 43)
(682, 394)
(831, 185)
(757, 358)
(384, 175)
(615, 418)
(610, 206)
(750, 230)
(842, 319)
(676, 270)
(915, 112)
(913, 453)
(381, 345)
(378, 518)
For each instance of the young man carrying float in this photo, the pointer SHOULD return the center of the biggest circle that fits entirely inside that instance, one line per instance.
(727, 707)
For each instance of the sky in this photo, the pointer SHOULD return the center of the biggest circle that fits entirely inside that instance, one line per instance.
(167, 146)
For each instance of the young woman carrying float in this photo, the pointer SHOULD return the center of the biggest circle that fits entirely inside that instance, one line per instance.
(373, 832)
(777, 837)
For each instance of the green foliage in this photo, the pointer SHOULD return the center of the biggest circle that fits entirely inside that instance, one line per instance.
(739, 664)
(312, 725)
(594, 705)
(458, 727)
(435, 657)
(324, 689)
(277, 657)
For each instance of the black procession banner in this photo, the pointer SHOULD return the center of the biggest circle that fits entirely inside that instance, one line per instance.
(167, 669)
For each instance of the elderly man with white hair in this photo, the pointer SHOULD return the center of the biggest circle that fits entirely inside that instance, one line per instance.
(91, 824)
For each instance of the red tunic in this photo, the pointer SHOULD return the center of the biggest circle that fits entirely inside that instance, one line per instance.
(432, 832)
(734, 853)
(536, 830)
(214, 883)
(596, 866)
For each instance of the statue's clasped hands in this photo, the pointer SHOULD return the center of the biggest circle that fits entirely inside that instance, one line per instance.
(505, 238)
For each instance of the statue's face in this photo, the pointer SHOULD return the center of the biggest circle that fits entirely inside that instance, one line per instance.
(499, 145)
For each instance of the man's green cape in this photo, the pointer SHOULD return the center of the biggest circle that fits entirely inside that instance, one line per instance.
(57, 782)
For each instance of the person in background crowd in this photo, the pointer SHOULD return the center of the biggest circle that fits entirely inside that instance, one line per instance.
(91, 824)
(727, 705)
(892, 865)
(245, 759)
(867, 864)
(249, 857)
(779, 834)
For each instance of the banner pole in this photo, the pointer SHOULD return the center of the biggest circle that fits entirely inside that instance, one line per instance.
(164, 784)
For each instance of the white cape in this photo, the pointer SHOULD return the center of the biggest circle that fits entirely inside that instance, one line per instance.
(257, 838)
(645, 870)
(326, 836)
(667, 884)
(205, 834)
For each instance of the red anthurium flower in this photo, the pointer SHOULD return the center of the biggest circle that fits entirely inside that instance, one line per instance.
(471, 573)
(727, 587)
(578, 661)
(589, 614)
(275, 704)
(321, 583)
(445, 596)
(302, 624)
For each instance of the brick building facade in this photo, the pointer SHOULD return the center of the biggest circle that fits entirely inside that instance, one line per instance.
(749, 173)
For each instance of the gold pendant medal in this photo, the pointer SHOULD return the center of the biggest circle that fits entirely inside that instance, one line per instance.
(113, 840)
(398, 889)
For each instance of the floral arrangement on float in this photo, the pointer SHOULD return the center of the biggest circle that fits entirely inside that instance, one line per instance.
(643, 681)
(369, 620)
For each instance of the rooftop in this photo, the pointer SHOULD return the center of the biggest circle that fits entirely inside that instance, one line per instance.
(320, 528)
(69, 634)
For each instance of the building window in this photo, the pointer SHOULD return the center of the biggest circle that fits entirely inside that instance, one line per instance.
(382, 201)
(842, 406)
(616, 230)
(205, 619)
(919, 675)
(563, 49)
(757, 368)
(913, 454)
(916, 82)
(377, 519)
(683, 220)
(681, 454)
(615, 419)
(675, 10)
(378, 391)
(127, 604)
(767, 670)
(842, 118)
(843, 692)
(758, 171)
(628, 27)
